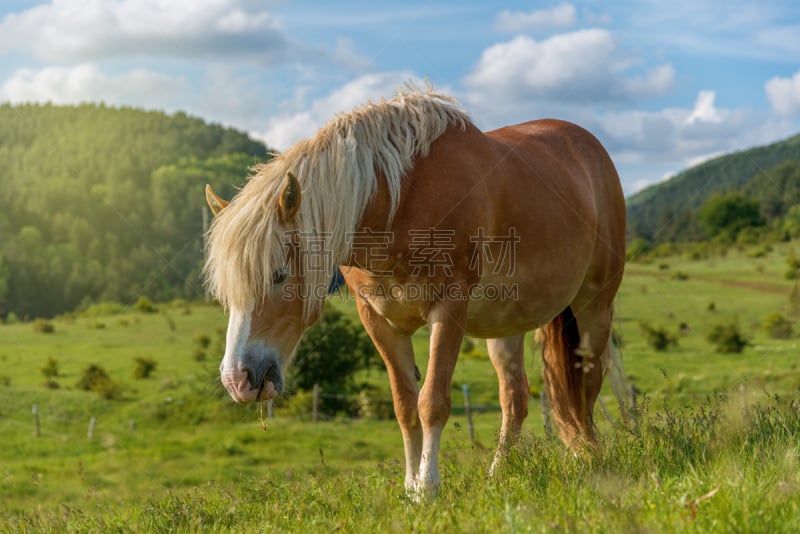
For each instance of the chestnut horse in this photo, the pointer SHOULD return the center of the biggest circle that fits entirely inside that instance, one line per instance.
(434, 223)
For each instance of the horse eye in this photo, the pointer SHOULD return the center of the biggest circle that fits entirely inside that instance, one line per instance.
(279, 276)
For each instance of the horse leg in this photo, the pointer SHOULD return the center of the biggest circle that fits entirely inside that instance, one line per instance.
(508, 357)
(447, 331)
(594, 353)
(397, 352)
(575, 347)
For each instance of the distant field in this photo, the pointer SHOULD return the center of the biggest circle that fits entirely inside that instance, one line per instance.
(174, 453)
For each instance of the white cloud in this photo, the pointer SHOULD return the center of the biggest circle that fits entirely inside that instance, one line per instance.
(84, 30)
(682, 136)
(581, 67)
(656, 81)
(85, 83)
(285, 130)
(784, 94)
(704, 110)
(557, 17)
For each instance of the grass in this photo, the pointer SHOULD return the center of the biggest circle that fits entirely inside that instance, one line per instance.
(716, 448)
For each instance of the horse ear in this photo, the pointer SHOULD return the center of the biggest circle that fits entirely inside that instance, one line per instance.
(289, 202)
(216, 203)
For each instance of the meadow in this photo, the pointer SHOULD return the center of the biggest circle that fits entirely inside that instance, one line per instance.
(715, 447)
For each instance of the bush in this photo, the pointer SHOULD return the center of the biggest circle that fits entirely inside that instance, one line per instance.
(658, 337)
(144, 305)
(43, 327)
(330, 354)
(202, 341)
(97, 380)
(102, 309)
(777, 326)
(144, 367)
(50, 368)
(727, 339)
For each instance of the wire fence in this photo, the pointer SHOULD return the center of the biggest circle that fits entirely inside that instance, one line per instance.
(464, 409)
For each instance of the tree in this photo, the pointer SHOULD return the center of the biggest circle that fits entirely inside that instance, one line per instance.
(111, 210)
(727, 215)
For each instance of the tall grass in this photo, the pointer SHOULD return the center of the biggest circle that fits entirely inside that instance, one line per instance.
(725, 466)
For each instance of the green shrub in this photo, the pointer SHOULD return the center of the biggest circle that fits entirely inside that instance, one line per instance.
(679, 275)
(50, 368)
(658, 337)
(144, 305)
(144, 367)
(12, 318)
(777, 326)
(203, 341)
(43, 326)
(51, 383)
(330, 354)
(727, 339)
(102, 309)
(97, 380)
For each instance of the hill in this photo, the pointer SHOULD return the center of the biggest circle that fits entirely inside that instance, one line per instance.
(669, 211)
(103, 203)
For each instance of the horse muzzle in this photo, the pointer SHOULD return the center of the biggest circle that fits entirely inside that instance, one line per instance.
(257, 379)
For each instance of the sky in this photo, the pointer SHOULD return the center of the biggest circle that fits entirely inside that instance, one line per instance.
(664, 85)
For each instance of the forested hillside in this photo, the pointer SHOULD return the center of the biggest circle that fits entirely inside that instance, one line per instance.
(106, 204)
(670, 211)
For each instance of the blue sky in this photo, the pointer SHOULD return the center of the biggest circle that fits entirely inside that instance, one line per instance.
(663, 84)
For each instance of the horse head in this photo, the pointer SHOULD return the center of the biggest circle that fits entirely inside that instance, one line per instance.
(265, 328)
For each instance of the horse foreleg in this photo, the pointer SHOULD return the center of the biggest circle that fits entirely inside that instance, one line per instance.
(447, 332)
(397, 352)
(508, 358)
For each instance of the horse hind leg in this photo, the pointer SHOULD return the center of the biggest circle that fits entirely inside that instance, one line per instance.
(508, 359)
(575, 349)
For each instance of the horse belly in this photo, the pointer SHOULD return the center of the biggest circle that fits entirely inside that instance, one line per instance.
(496, 319)
(505, 306)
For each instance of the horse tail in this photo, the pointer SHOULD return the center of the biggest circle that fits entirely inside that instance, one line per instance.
(565, 380)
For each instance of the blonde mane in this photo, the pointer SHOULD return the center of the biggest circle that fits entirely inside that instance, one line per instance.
(337, 170)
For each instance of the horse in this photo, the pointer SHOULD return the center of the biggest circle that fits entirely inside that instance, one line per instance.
(435, 224)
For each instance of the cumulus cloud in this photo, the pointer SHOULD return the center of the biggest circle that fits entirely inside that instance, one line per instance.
(704, 109)
(580, 67)
(557, 17)
(86, 83)
(682, 136)
(84, 30)
(784, 94)
(286, 129)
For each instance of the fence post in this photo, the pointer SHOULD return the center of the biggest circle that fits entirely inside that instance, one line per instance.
(132, 425)
(315, 404)
(548, 425)
(37, 430)
(90, 432)
(468, 412)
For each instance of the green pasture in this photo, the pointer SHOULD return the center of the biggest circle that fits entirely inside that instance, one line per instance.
(715, 449)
